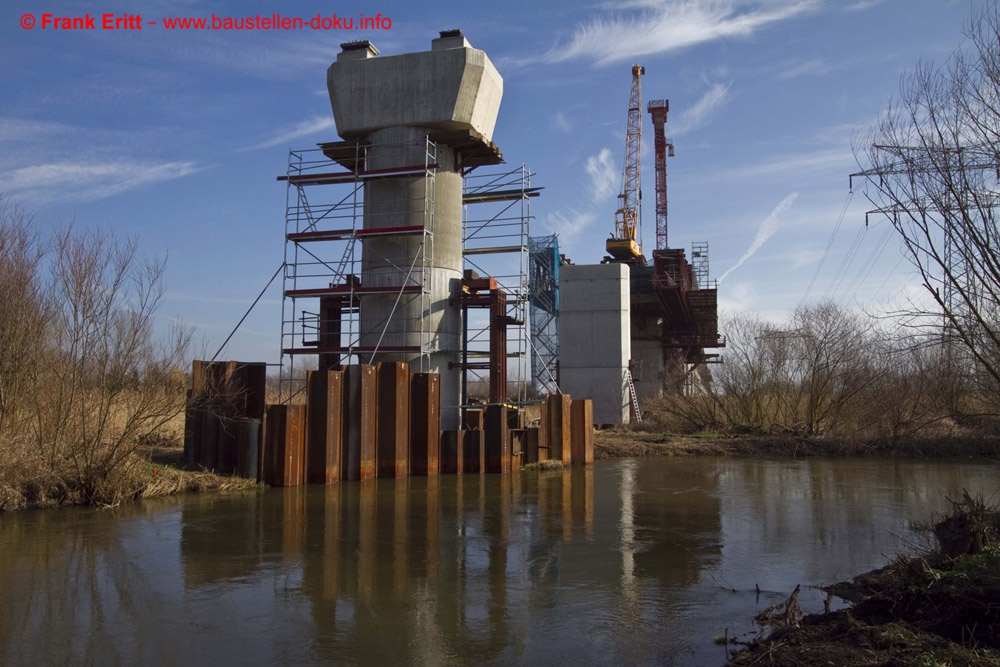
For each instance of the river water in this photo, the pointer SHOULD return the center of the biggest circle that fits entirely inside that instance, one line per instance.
(635, 562)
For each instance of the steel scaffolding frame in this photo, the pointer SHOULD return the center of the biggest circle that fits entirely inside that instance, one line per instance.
(543, 291)
(496, 225)
(332, 222)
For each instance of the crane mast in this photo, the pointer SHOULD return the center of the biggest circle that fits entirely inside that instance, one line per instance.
(658, 110)
(624, 244)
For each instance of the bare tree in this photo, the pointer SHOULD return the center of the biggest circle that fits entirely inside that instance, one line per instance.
(24, 313)
(111, 378)
(932, 167)
(84, 376)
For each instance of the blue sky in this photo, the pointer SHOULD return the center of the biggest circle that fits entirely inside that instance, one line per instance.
(176, 137)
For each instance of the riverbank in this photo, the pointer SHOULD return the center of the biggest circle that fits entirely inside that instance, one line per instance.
(937, 609)
(624, 443)
(154, 470)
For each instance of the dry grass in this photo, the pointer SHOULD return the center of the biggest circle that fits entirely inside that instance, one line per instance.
(625, 443)
(155, 469)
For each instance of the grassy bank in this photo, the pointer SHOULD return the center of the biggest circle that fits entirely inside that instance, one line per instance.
(939, 608)
(624, 443)
(154, 468)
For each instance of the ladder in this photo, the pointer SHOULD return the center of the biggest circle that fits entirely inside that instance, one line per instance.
(633, 397)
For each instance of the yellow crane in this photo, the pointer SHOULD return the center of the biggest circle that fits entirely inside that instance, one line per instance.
(624, 245)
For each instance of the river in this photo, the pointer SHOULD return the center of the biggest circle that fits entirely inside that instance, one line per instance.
(636, 561)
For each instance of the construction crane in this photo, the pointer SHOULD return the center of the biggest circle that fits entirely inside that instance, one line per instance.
(658, 110)
(624, 245)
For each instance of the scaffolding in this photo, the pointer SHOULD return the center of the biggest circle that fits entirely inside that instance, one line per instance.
(496, 224)
(325, 246)
(543, 292)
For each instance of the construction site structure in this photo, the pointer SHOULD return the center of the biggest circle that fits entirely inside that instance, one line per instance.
(688, 302)
(671, 311)
(625, 244)
(662, 148)
(411, 245)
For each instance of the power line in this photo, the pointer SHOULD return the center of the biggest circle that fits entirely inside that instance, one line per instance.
(829, 244)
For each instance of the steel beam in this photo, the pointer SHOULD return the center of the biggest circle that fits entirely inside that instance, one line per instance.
(474, 451)
(497, 439)
(451, 453)
(325, 430)
(284, 432)
(358, 441)
(582, 429)
(392, 447)
(558, 407)
(425, 423)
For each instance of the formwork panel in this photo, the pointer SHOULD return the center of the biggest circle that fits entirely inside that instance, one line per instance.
(497, 439)
(425, 423)
(393, 438)
(325, 415)
(226, 460)
(558, 413)
(582, 438)
(531, 444)
(248, 448)
(284, 433)
(517, 444)
(358, 441)
(451, 453)
(208, 455)
(474, 446)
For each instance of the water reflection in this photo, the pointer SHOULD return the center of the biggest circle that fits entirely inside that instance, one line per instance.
(625, 562)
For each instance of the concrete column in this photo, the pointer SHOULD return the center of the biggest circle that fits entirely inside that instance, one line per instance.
(414, 201)
(392, 104)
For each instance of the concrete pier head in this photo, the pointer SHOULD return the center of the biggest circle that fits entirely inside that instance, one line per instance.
(393, 105)
(595, 337)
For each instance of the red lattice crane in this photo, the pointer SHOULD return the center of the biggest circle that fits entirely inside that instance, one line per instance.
(658, 110)
(624, 244)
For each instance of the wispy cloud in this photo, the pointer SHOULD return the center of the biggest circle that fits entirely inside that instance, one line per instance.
(804, 257)
(18, 129)
(560, 122)
(766, 231)
(861, 5)
(603, 175)
(56, 180)
(649, 27)
(702, 110)
(814, 67)
(305, 128)
(809, 166)
(569, 225)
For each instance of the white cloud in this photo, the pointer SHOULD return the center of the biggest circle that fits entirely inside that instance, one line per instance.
(766, 231)
(819, 165)
(815, 67)
(17, 129)
(804, 257)
(696, 115)
(559, 122)
(88, 181)
(862, 5)
(305, 128)
(603, 176)
(569, 226)
(671, 25)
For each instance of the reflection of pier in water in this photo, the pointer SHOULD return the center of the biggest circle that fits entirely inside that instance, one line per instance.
(453, 566)
(456, 570)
